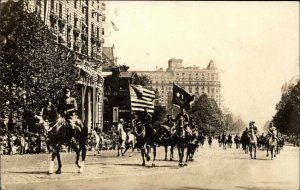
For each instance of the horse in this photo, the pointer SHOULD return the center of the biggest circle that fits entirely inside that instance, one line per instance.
(130, 143)
(61, 131)
(166, 139)
(201, 139)
(192, 142)
(271, 144)
(95, 142)
(180, 139)
(125, 141)
(145, 139)
(224, 141)
(229, 141)
(220, 140)
(252, 143)
(245, 142)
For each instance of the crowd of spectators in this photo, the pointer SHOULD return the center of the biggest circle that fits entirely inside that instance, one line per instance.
(12, 143)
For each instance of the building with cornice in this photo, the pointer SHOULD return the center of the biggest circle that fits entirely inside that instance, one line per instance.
(193, 79)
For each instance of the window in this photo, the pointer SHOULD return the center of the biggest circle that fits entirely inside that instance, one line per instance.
(92, 28)
(75, 4)
(97, 32)
(75, 20)
(60, 10)
(102, 31)
(52, 5)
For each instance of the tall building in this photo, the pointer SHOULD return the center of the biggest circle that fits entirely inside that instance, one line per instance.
(77, 24)
(193, 79)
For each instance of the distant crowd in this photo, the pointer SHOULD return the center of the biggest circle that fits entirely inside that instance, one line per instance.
(12, 143)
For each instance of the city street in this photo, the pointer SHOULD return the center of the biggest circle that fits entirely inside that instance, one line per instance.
(213, 168)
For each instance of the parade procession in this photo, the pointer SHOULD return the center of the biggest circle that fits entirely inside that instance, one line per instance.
(86, 101)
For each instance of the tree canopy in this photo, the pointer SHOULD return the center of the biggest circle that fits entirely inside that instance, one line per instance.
(209, 117)
(33, 66)
(287, 117)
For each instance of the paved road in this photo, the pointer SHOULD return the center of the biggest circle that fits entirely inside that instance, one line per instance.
(213, 168)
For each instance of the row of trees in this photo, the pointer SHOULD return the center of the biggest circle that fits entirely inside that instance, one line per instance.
(211, 119)
(205, 110)
(287, 117)
(33, 66)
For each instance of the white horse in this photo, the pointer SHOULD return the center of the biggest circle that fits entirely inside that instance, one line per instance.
(271, 145)
(96, 140)
(252, 143)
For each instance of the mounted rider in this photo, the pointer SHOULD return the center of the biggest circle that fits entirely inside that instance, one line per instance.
(186, 118)
(170, 123)
(67, 107)
(146, 120)
(272, 132)
(254, 128)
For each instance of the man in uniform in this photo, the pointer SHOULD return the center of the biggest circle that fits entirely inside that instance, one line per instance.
(186, 118)
(67, 107)
(146, 120)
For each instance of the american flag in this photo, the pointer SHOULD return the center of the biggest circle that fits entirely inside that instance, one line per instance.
(141, 98)
(90, 73)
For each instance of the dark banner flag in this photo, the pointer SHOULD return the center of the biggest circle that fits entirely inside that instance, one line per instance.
(181, 97)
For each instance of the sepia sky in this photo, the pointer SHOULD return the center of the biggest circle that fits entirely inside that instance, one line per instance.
(255, 44)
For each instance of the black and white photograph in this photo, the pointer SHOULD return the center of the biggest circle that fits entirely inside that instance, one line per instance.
(149, 95)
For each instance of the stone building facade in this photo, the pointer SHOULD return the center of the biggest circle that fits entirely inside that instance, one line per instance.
(194, 80)
(77, 24)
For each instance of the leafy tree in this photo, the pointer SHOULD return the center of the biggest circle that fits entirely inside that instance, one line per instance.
(207, 114)
(287, 117)
(143, 80)
(33, 66)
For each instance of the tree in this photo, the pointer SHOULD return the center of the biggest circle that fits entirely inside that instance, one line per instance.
(34, 67)
(207, 114)
(143, 80)
(287, 117)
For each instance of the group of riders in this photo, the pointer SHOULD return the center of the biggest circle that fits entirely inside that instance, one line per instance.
(250, 140)
(181, 131)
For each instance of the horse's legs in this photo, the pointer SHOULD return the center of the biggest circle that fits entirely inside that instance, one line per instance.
(171, 152)
(50, 170)
(250, 150)
(143, 155)
(179, 154)
(58, 171)
(154, 155)
(147, 152)
(267, 151)
(75, 148)
(83, 155)
(254, 152)
(166, 151)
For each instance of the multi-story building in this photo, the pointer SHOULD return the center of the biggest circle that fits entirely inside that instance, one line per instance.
(77, 24)
(193, 79)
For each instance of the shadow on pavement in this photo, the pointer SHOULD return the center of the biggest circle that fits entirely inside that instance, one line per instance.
(27, 172)
(254, 188)
(190, 188)
(156, 166)
(251, 159)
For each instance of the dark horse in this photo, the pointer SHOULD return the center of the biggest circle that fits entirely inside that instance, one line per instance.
(145, 139)
(181, 138)
(166, 139)
(60, 132)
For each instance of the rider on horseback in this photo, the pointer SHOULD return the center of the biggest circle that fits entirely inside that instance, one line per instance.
(272, 131)
(67, 107)
(146, 121)
(186, 118)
